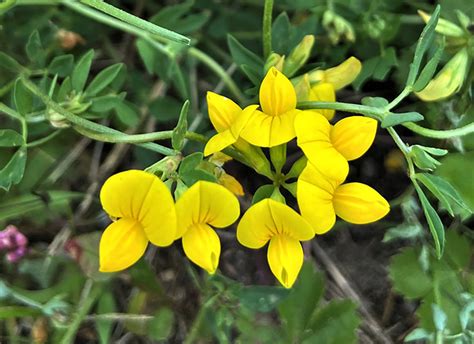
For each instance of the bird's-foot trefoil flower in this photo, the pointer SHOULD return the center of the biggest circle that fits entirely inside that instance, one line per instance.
(203, 205)
(321, 198)
(322, 92)
(144, 211)
(339, 76)
(330, 147)
(274, 124)
(275, 222)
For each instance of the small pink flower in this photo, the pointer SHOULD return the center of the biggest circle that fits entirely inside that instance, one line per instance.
(14, 242)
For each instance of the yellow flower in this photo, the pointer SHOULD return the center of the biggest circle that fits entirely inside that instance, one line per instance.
(321, 198)
(203, 205)
(228, 119)
(322, 92)
(340, 75)
(145, 211)
(273, 125)
(330, 147)
(272, 221)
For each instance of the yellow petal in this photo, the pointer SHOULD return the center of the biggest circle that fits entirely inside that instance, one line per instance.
(359, 203)
(277, 94)
(314, 192)
(202, 246)
(324, 92)
(222, 111)
(206, 203)
(314, 138)
(264, 130)
(121, 245)
(285, 257)
(353, 136)
(267, 218)
(145, 198)
(219, 142)
(449, 79)
(231, 184)
(343, 74)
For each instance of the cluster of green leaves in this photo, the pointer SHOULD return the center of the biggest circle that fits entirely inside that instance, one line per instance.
(445, 288)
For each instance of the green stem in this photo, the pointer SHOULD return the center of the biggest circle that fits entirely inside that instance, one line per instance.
(406, 91)
(90, 295)
(135, 21)
(15, 115)
(217, 68)
(124, 138)
(369, 111)
(89, 126)
(267, 28)
(441, 134)
(197, 323)
(43, 140)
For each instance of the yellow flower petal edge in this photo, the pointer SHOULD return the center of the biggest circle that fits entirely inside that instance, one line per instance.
(222, 111)
(285, 258)
(265, 130)
(277, 94)
(144, 198)
(314, 193)
(121, 245)
(268, 218)
(231, 135)
(231, 184)
(202, 246)
(313, 132)
(359, 203)
(343, 74)
(353, 136)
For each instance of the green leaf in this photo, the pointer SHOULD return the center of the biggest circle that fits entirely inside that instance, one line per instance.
(264, 191)
(429, 70)
(147, 53)
(106, 103)
(23, 98)
(376, 67)
(179, 132)
(281, 27)
(190, 163)
(10, 138)
(105, 304)
(103, 79)
(81, 71)
(422, 159)
(434, 222)
(457, 170)
(64, 90)
(458, 250)
(10, 64)
(191, 177)
(261, 298)
(433, 150)
(296, 310)
(61, 65)
(378, 102)
(165, 109)
(161, 326)
(35, 50)
(12, 172)
(243, 56)
(418, 334)
(407, 276)
(403, 231)
(336, 323)
(422, 46)
(443, 191)
(393, 119)
(127, 113)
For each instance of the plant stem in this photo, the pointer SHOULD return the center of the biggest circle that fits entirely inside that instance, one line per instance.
(441, 134)
(217, 68)
(267, 28)
(43, 140)
(369, 111)
(90, 127)
(406, 91)
(135, 21)
(90, 294)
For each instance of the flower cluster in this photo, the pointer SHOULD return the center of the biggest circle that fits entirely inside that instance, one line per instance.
(145, 210)
(14, 243)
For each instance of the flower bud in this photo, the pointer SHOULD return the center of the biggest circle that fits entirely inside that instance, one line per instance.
(444, 27)
(298, 56)
(448, 80)
(274, 60)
